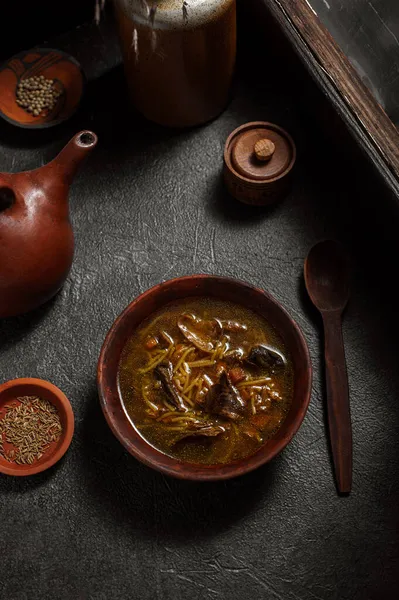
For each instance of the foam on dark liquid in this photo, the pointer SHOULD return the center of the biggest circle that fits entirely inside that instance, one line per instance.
(169, 13)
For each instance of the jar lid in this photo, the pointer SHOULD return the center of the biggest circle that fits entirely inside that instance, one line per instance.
(261, 151)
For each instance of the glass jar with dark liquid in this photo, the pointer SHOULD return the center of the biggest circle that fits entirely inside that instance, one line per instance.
(179, 57)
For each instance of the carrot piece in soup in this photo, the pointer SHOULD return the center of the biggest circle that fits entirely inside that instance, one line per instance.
(151, 343)
(236, 375)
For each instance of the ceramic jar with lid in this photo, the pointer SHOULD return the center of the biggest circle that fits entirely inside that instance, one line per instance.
(258, 161)
(179, 57)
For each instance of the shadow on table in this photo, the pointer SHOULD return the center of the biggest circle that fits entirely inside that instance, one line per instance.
(14, 329)
(142, 499)
(22, 485)
(319, 368)
(224, 206)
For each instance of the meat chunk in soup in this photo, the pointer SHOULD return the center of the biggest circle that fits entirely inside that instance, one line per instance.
(223, 399)
(164, 373)
(265, 358)
(199, 430)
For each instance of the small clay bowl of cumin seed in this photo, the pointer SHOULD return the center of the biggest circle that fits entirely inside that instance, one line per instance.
(36, 426)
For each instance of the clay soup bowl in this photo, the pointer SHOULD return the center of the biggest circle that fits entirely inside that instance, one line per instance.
(221, 288)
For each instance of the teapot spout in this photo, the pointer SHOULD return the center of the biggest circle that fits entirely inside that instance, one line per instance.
(65, 165)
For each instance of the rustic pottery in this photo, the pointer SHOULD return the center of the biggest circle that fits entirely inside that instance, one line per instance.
(62, 68)
(47, 391)
(218, 287)
(258, 160)
(179, 57)
(36, 237)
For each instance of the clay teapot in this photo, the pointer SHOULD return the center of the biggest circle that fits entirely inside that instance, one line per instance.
(36, 237)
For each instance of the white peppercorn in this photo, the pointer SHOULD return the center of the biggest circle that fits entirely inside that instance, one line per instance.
(37, 95)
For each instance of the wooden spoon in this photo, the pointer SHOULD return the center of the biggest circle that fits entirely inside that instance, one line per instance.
(327, 283)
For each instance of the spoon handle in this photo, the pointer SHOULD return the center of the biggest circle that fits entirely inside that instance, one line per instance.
(339, 418)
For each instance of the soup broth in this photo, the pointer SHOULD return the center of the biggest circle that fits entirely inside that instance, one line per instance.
(206, 381)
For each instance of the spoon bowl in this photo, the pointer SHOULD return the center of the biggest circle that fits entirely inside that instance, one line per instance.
(327, 276)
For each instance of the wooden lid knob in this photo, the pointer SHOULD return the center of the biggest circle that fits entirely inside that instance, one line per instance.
(264, 149)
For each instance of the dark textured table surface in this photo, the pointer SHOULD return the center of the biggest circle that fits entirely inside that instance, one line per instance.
(150, 205)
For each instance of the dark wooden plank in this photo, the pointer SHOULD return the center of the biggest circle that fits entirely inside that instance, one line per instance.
(331, 68)
(367, 31)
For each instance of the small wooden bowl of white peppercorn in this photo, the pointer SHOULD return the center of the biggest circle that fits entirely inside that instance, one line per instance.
(40, 88)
